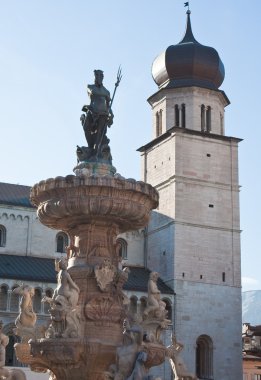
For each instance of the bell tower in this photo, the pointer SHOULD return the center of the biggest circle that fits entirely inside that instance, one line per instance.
(193, 238)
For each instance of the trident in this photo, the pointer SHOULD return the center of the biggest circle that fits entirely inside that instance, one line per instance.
(119, 76)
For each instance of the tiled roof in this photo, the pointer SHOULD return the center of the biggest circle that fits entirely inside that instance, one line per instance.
(37, 269)
(27, 268)
(15, 195)
(138, 280)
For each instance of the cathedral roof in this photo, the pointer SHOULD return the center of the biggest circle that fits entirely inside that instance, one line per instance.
(188, 63)
(28, 268)
(15, 195)
(138, 280)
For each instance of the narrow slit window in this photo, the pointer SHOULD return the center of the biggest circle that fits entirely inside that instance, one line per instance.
(203, 118)
(208, 119)
(176, 115)
(157, 124)
(183, 116)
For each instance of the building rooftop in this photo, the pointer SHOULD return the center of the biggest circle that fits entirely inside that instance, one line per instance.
(138, 281)
(15, 195)
(28, 268)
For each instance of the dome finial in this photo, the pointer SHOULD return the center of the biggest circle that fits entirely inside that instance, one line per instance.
(188, 37)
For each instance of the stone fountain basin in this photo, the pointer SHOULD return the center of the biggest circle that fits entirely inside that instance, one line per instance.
(65, 202)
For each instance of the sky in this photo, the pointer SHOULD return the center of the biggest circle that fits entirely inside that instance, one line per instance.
(49, 49)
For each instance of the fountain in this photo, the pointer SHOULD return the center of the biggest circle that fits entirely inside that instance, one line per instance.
(89, 335)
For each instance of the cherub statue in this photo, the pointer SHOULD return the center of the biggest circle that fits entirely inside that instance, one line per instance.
(66, 287)
(27, 317)
(64, 312)
(155, 306)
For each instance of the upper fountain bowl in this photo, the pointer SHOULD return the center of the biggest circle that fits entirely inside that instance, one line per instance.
(66, 202)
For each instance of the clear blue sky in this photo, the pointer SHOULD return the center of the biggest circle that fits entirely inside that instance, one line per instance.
(48, 50)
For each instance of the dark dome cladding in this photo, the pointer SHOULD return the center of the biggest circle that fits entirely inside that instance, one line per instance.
(188, 64)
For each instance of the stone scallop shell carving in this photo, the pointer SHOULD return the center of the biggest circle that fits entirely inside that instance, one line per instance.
(103, 308)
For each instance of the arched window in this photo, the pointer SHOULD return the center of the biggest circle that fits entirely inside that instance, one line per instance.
(221, 124)
(183, 116)
(168, 308)
(37, 300)
(176, 111)
(10, 357)
(61, 242)
(122, 248)
(48, 293)
(143, 304)
(2, 235)
(208, 119)
(3, 297)
(133, 305)
(203, 118)
(14, 303)
(159, 123)
(204, 357)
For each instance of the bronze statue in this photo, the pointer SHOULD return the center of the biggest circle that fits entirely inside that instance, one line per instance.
(97, 118)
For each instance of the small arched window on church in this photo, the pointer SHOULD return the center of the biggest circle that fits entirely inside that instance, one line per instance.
(133, 306)
(183, 116)
(3, 297)
(143, 304)
(2, 235)
(49, 294)
(208, 119)
(122, 248)
(168, 308)
(37, 300)
(14, 301)
(176, 115)
(204, 357)
(61, 242)
(10, 356)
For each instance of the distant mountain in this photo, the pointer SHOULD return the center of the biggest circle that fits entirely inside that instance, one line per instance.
(251, 307)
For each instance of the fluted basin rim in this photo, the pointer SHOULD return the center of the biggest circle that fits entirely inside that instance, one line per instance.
(64, 202)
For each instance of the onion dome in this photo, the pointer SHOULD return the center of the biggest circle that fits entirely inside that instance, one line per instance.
(188, 64)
